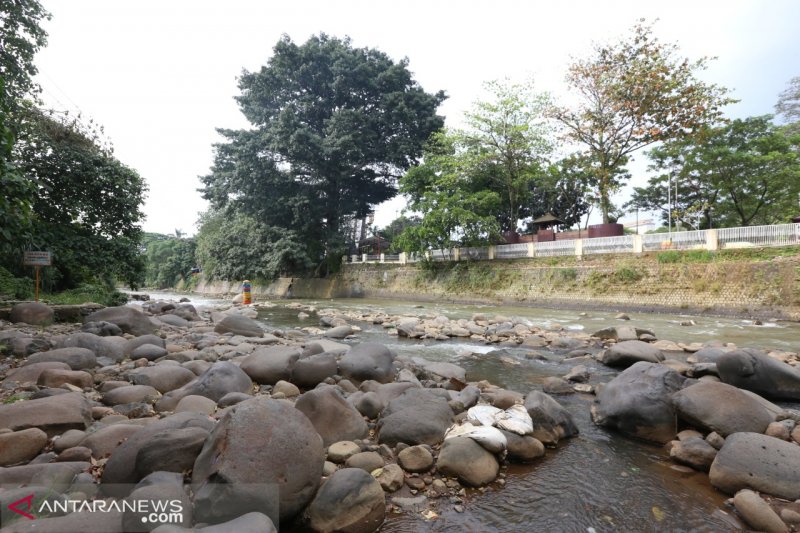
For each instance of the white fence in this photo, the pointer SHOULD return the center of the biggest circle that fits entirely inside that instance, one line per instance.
(712, 239)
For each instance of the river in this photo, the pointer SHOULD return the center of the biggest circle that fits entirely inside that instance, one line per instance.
(598, 481)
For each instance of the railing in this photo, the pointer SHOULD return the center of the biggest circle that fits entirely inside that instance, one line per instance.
(713, 239)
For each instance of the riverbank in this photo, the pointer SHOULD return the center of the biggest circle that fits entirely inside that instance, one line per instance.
(754, 284)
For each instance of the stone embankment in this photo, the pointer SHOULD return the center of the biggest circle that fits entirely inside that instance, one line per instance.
(243, 429)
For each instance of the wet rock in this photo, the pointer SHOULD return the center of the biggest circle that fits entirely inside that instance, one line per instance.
(694, 452)
(269, 365)
(339, 332)
(522, 448)
(350, 500)
(551, 422)
(53, 415)
(332, 416)
(308, 372)
(128, 319)
(554, 385)
(21, 446)
(415, 459)
(721, 408)
(368, 361)
(239, 325)
(260, 449)
(417, 416)
(578, 374)
(625, 354)
(467, 460)
(173, 450)
(33, 313)
(162, 377)
(758, 462)
(757, 513)
(75, 358)
(755, 371)
(638, 402)
(367, 461)
(622, 333)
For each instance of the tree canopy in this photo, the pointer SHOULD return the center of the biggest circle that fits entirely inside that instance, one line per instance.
(632, 94)
(334, 126)
(788, 106)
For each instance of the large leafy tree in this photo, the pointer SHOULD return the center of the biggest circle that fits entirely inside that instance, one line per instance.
(563, 191)
(334, 126)
(745, 173)
(632, 94)
(506, 145)
(87, 206)
(169, 259)
(788, 106)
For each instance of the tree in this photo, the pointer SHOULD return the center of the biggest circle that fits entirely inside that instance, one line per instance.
(745, 173)
(453, 212)
(788, 106)
(333, 128)
(563, 191)
(507, 143)
(169, 259)
(632, 94)
(88, 204)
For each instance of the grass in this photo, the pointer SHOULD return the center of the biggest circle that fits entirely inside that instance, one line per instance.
(88, 293)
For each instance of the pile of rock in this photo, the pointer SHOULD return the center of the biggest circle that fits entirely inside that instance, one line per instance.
(248, 430)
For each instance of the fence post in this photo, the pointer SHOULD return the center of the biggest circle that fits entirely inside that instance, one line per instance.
(531, 249)
(456, 254)
(383, 257)
(712, 240)
(579, 247)
(491, 253)
(402, 258)
(638, 244)
(364, 258)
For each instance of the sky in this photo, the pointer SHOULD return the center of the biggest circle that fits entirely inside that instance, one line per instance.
(161, 76)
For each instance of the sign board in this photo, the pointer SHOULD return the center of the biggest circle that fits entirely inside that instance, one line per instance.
(33, 258)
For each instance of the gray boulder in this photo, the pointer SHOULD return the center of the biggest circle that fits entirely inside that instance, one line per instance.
(102, 329)
(694, 452)
(101, 346)
(368, 360)
(172, 450)
(156, 490)
(551, 422)
(708, 355)
(467, 460)
(339, 332)
(265, 456)
(638, 402)
(622, 333)
(722, 408)
(33, 313)
(417, 416)
(54, 415)
(132, 344)
(173, 320)
(239, 325)
(757, 462)
(755, 371)
(151, 352)
(127, 318)
(21, 446)
(131, 394)
(270, 365)
(626, 353)
(76, 358)
(222, 378)
(308, 372)
(162, 377)
(522, 448)
(350, 500)
(105, 440)
(30, 373)
(332, 416)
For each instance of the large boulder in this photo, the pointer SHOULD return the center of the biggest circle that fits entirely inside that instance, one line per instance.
(76, 358)
(350, 500)
(222, 378)
(551, 422)
(239, 325)
(368, 360)
(638, 402)
(265, 456)
(53, 415)
(755, 371)
(467, 460)
(626, 353)
(622, 333)
(127, 318)
(21, 446)
(172, 450)
(758, 462)
(30, 373)
(105, 440)
(101, 346)
(719, 407)
(332, 416)
(33, 313)
(417, 416)
(131, 394)
(163, 377)
(308, 372)
(121, 467)
(270, 365)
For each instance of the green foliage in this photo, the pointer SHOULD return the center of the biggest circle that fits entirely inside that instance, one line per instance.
(333, 128)
(635, 93)
(788, 106)
(169, 260)
(14, 288)
(236, 246)
(563, 191)
(744, 173)
(21, 36)
(89, 292)
(669, 256)
(627, 274)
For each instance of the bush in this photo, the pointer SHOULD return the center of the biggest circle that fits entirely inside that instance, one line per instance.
(96, 293)
(14, 288)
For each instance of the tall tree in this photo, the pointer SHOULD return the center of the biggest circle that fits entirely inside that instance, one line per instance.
(507, 143)
(632, 94)
(742, 174)
(563, 191)
(788, 106)
(333, 128)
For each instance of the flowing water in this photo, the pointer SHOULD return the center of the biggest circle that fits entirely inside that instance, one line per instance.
(598, 481)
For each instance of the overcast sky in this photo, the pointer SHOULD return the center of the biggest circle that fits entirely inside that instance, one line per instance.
(161, 75)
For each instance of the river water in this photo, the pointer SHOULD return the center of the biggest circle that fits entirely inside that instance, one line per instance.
(598, 481)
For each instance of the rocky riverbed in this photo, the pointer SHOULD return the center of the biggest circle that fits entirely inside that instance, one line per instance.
(310, 428)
